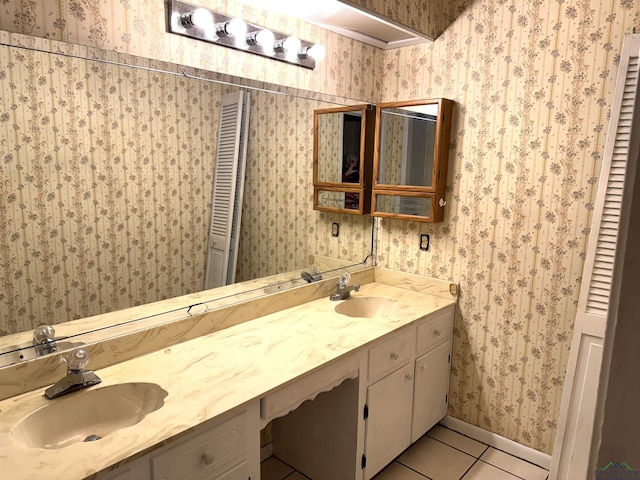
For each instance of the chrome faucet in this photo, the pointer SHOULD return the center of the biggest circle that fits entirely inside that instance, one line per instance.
(343, 290)
(77, 377)
(44, 340)
(312, 276)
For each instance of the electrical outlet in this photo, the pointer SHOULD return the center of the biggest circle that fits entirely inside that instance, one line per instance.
(335, 229)
(424, 242)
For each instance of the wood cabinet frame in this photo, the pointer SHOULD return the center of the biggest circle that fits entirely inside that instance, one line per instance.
(363, 187)
(435, 192)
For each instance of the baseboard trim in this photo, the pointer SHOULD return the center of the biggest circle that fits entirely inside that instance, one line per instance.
(266, 452)
(501, 443)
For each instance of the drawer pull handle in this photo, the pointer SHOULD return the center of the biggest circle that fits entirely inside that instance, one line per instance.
(208, 459)
(394, 356)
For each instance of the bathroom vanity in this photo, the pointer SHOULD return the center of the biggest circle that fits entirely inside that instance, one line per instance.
(355, 382)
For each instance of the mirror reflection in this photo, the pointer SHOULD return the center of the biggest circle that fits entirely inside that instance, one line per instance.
(407, 145)
(339, 138)
(106, 186)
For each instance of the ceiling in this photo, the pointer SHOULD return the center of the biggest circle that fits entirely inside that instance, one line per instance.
(345, 20)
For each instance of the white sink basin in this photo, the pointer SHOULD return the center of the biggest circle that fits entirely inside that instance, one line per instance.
(367, 307)
(88, 415)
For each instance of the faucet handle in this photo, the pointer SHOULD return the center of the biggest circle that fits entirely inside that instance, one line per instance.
(344, 280)
(43, 333)
(78, 359)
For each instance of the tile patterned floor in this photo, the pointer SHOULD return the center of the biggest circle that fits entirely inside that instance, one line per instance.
(441, 454)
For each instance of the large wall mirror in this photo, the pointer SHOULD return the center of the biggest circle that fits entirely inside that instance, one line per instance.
(106, 183)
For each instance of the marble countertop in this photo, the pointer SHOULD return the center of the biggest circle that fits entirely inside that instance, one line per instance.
(210, 375)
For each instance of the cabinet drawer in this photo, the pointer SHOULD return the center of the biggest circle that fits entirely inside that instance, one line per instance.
(390, 354)
(205, 456)
(434, 331)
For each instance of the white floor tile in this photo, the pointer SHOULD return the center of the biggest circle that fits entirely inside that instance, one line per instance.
(274, 469)
(521, 468)
(296, 476)
(397, 471)
(436, 460)
(484, 471)
(455, 440)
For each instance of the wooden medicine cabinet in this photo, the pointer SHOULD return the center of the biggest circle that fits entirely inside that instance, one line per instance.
(410, 159)
(343, 159)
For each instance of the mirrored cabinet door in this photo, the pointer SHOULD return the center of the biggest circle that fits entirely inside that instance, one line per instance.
(410, 159)
(343, 158)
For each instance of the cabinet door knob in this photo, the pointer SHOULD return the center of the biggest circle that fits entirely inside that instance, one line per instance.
(394, 356)
(436, 332)
(408, 377)
(208, 459)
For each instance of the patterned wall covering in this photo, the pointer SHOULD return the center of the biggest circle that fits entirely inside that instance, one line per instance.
(533, 86)
(104, 186)
(279, 236)
(329, 147)
(392, 131)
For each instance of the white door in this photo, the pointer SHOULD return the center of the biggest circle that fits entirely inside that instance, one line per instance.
(228, 189)
(388, 429)
(431, 389)
(577, 410)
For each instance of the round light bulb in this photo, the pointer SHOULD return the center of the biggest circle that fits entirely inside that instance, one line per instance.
(291, 44)
(317, 52)
(236, 27)
(265, 39)
(202, 18)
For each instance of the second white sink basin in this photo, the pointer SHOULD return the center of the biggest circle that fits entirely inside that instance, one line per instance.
(88, 415)
(367, 307)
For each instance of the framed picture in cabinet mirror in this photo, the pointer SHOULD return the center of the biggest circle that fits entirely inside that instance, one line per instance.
(411, 151)
(343, 159)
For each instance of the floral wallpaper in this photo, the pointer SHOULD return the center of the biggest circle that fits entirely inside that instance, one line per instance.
(532, 82)
(280, 235)
(390, 169)
(92, 216)
(329, 147)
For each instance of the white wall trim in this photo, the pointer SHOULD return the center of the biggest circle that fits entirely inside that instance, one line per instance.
(501, 443)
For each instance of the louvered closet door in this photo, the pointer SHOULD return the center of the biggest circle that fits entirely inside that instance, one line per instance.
(228, 185)
(572, 445)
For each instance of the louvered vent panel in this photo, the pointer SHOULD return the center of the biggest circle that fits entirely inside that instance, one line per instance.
(600, 283)
(222, 198)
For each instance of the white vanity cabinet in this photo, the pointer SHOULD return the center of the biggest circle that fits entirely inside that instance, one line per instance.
(388, 419)
(403, 405)
(226, 448)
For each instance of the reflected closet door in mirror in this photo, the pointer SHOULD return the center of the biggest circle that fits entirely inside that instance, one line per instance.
(410, 159)
(343, 158)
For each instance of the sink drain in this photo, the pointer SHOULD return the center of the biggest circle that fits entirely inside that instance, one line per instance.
(92, 438)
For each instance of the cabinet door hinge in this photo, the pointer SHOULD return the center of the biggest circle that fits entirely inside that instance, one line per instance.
(449, 359)
(446, 398)
(365, 413)
(364, 461)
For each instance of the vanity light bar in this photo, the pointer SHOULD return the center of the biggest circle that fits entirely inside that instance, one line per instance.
(219, 29)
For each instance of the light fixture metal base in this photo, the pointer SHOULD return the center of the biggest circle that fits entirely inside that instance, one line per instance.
(175, 10)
